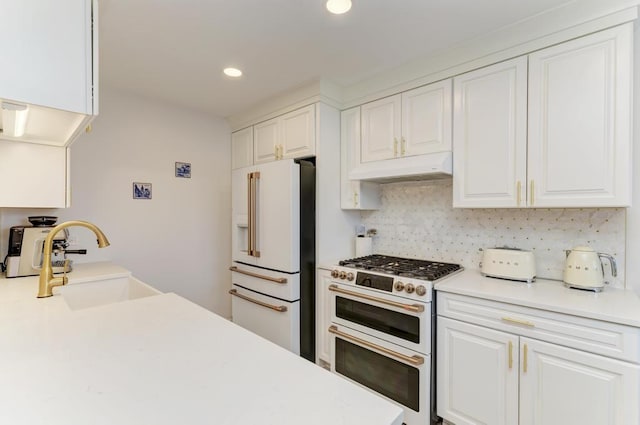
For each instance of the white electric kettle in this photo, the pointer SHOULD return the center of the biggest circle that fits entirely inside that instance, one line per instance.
(583, 269)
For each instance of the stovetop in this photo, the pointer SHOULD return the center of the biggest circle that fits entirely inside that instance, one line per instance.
(405, 267)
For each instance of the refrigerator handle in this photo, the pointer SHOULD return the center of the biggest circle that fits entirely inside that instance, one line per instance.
(250, 213)
(254, 215)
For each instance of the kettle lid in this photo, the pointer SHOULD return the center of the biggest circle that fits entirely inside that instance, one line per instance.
(583, 249)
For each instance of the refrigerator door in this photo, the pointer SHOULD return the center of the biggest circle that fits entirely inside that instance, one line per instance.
(266, 215)
(271, 318)
(276, 284)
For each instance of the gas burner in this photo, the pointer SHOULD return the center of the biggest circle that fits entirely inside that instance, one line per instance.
(404, 267)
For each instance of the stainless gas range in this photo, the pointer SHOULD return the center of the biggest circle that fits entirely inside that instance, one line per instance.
(382, 327)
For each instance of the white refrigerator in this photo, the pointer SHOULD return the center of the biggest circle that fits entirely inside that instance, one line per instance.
(273, 242)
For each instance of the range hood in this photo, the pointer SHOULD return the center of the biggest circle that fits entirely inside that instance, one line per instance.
(432, 166)
(23, 122)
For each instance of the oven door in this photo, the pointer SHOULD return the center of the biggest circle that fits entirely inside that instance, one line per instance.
(397, 374)
(393, 319)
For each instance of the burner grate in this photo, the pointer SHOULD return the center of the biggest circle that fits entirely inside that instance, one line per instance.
(405, 267)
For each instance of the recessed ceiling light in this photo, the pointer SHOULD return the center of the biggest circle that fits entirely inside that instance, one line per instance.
(338, 6)
(232, 72)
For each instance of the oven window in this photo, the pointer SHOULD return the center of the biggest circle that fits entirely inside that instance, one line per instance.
(390, 322)
(386, 376)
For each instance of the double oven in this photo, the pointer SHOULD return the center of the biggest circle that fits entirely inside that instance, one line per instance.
(382, 326)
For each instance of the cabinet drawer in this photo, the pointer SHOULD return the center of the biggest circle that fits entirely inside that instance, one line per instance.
(609, 339)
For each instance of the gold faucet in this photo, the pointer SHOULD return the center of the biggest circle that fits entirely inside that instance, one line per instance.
(47, 281)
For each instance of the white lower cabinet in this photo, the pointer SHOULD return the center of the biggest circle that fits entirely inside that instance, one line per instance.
(323, 318)
(499, 370)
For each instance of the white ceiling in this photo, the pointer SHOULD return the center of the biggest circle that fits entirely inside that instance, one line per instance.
(175, 50)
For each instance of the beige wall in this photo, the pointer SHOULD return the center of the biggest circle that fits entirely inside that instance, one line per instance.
(179, 241)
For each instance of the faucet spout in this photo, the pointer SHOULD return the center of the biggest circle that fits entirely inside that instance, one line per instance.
(47, 282)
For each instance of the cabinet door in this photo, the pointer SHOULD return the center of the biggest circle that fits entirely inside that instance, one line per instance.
(426, 119)
(242, 148)
(562, 386)
(489, 136)
(298, 134)
(381, 128)
(50, 46)
(354, 194)
(580, 121)
(477, 374)
(34, 176)
(265, 141)
(323, 317)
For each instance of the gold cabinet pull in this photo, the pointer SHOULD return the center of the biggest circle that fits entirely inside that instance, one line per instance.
(355, 199)
(510, 355)
(278, 308)
(416, 308)
(518, 321)
(414, 360)
(403, 146)
(524, 359)
(532, 184)
(518, 191)
(259, 276)
(395, 146)
(281, 152)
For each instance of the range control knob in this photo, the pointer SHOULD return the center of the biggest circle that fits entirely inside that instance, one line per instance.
(334, 273)
(421, 290)
(409, 288)
(350, 276)
(399, 286)
(343, 275)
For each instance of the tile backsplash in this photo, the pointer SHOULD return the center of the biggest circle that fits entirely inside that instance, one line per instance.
(416, 220)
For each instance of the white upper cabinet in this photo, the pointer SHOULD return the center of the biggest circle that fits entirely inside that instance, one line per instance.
(412, 123)
(242, 148)
(50, 69)
(426, 119)
(490, 135)
(580, 121)
(291, 135)
(35, 176)
(381, 129)
(577, 152)
(354, 194)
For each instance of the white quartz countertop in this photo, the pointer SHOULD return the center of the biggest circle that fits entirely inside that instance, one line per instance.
(611, 305)
(157, 360)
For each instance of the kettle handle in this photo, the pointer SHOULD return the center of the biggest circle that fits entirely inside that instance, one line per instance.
(612, 262)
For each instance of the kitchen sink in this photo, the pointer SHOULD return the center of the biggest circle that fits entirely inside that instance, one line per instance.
(83, 295)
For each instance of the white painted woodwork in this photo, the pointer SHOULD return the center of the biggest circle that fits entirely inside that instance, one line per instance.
(381, 129)
(265, 141)
(53, 67)
(490, 136)
(477, 374)
(354, 194)
(34, 176)
(580, 121)
(242, 148)
(570, 387)
(323, 317)
(292, 135)
(561, 379)
(426, 119)
(51, 58)
(298, 134)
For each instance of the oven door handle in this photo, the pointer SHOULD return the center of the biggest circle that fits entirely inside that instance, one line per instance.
(416, 308)
(414, 360)
(279, 308)
(259, 276)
